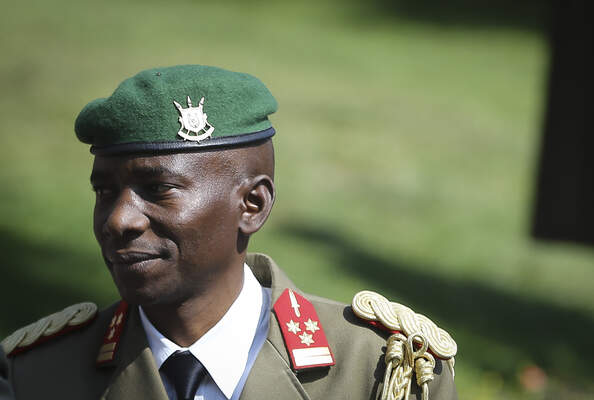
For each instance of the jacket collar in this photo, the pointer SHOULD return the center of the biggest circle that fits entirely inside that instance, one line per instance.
(272, 364)
(136, 375)
(270, 276)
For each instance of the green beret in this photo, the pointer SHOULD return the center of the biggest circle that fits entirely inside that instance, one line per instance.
(176, 109)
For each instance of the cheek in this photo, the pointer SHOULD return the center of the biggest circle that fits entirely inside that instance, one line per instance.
(206, 229)
(97, 224)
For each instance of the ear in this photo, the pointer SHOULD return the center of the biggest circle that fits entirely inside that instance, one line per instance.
(257, 200)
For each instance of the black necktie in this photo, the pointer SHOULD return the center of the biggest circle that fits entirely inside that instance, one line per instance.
(185, 372)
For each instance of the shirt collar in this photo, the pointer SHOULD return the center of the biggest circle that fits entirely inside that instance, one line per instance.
(223, 350)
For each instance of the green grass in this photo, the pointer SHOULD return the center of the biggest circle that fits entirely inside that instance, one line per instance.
(406, 155)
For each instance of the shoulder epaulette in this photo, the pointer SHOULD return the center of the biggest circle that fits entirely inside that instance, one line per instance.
(111, 338)
(411, 347)
(57, 324)
(302, 332)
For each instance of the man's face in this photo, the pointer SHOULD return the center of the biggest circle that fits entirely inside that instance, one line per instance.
(167, 225)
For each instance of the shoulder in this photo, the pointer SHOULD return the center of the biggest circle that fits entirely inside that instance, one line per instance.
(386, 340)
(343, 327)
(59, 349)
(50, 327)
(366, 352)
(77, 329)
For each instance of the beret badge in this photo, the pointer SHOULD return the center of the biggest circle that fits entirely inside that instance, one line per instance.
(194, 125)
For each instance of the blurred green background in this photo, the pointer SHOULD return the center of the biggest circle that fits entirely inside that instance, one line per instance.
(406, 150)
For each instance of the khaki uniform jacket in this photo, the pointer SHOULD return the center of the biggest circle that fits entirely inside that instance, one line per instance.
(65, 368)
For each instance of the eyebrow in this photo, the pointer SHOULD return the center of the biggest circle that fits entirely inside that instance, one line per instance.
(141, 172)
(152, 171)
(99, 176)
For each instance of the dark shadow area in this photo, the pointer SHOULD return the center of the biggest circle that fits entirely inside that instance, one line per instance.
(40, 279)
(557, 338)
(565, 181)
(527, 15)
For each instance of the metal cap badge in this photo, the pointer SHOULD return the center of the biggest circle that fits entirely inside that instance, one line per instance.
(193, 120)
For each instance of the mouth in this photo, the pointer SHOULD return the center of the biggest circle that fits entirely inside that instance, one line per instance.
(132, 260)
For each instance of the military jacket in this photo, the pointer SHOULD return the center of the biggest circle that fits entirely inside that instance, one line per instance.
(65, 366)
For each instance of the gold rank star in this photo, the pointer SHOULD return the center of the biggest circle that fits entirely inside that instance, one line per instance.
(311, 326)
(293, 326)
(306, 338)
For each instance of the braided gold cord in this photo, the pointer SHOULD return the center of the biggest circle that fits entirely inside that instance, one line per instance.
(375, 307)
(424, 366)
(81, 313)
(9, 343)
(398, 371)
(72, 316)
(440, 342)
(399, 383)
(35, 331)
(402, 360)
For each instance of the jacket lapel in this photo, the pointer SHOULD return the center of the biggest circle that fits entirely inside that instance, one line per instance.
(271, 373)
(135, 375)
(272, 378)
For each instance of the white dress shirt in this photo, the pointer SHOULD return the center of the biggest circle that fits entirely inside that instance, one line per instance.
(223, 350)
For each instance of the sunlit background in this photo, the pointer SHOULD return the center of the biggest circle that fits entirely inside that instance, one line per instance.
(407, 142)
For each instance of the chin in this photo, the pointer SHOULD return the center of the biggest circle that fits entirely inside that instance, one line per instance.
(137, 289)
(138, 294)
(137, 297)
(147, 296)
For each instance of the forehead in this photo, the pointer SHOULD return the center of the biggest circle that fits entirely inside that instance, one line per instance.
(189, 165)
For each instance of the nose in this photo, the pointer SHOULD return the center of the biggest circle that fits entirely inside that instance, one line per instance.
(126, 220)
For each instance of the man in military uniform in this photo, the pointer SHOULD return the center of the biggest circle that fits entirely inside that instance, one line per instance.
(183, 176)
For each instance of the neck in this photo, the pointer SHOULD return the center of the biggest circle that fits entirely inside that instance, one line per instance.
(188, 321)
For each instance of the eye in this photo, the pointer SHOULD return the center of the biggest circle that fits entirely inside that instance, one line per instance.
(102, 191)
(159, 188)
